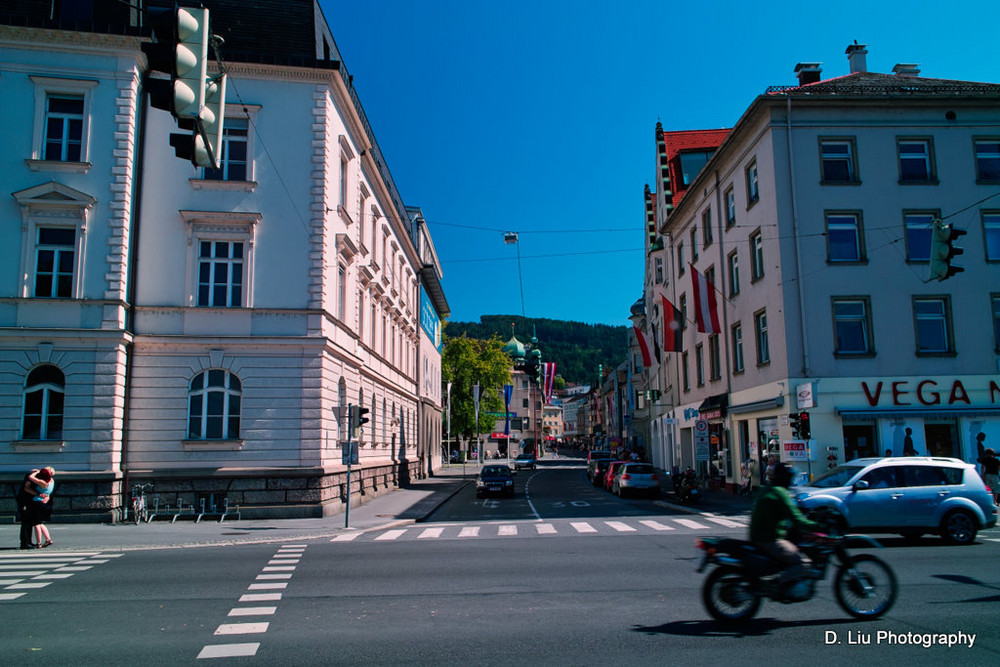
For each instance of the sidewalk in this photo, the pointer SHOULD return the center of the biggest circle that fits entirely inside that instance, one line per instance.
(400, 507)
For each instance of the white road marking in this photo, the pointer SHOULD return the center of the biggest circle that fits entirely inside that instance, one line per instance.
(229, 651)
(390, 534)
(93, 561)
(252, 611)
(283, 561)
(55, 576)
(507, 530)
(241, 628)
(346, 537)
(545, 529)
(10, 596)
(655, 525)
(430, 533)
(23, 573)
(620, 527)
(27, 584)
(687, 523)
(724, 522)
(260, 597)
(279, 568)
(469, 531)
(583, 527)
(264, 577)
(268, 587)
(8, 582)
(61, 555)
(74, 568)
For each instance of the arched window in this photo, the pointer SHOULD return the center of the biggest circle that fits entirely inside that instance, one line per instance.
(43, 404)
(214, 406)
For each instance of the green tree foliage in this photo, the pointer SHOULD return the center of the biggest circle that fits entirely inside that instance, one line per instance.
(465, 362)
(575, 347)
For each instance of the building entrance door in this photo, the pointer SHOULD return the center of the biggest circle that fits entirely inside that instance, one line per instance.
(941, 439)
(859, 441)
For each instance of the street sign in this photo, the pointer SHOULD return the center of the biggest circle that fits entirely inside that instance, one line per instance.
(349, 453)
(701, 440)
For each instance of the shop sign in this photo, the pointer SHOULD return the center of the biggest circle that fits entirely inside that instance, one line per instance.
(925, 392)
(794, 450)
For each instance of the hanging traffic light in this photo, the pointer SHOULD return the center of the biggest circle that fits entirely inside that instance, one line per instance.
(804, 430)
(180, 50)
(793, 421)
(942, 251)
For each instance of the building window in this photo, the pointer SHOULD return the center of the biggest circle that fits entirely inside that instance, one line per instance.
(55, 258)
(851, 325)
(756, 256)
(733, 262)
(988, 160)
(995, 309)
(233, 162)
(844, 237)
(753, 190)
(699, 364)
(694, 244)
(680, 259)
(991, 233)
(714, 358)
(760, 334)
(706, 228)
(730, 207)
(838, 162)
(372, 325)
(684, 311)
(220, 274)
(344, 165)
(933, 325)
(919, 229)
(684, 368)
(44, 391)
(62, 122)
(658, 270)
(214, 406)
(361, 315)
(63, 128)
(737, 335)
(916, 160)
(341, 292)
(692, 164)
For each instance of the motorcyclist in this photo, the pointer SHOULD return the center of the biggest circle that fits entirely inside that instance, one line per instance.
(772, 513)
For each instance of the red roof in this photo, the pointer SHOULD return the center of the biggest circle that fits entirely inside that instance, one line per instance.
(684, 141)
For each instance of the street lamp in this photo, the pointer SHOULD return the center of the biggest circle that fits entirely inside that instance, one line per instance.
(511, 238)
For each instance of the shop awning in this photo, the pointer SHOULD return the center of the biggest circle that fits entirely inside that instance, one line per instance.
(714, 407)
(758, 406)
(922, 411)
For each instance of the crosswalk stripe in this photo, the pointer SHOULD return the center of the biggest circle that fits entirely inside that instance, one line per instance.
(687, 523)
(469, 531)
(583, 527)
(391, 534)
(241, 628)
(10, 596)
(507, 530)
(253, 611)
(27, 584)
(346, 537)
(620, 527)
(229, 651)
(430, 533)
(545, 529)
(725, 522)
(655, 525)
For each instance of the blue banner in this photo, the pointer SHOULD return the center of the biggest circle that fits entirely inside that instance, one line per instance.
(508, 391)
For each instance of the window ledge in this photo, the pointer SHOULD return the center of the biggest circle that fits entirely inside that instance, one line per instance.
(214, 184)
(32, 446)
(854, 355)
(982, 181)
(59, 165)
(944, 353)
(211, 445)
(914, 181)
(840, 182)
(846, 262)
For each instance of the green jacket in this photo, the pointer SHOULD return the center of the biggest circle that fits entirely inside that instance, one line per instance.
(772, 514)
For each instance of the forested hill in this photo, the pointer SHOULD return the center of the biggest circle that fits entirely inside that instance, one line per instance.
(576, 348)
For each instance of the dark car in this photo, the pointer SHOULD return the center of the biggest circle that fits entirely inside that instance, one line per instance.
(596, 470)
(609, 475)
(595, 454)
(495, 480)
(524, 461)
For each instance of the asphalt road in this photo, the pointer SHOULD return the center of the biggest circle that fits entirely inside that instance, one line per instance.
(592, 580)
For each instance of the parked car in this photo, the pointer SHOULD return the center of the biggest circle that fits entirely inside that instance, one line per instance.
(636, 478)
(524, 461)
(609, 474)
(598, 454)
(910, 495)
(495, 480)
(596, 468)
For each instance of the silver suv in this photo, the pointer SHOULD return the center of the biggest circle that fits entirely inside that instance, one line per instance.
(911, 496)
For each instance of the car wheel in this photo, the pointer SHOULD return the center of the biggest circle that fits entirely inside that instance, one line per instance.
(959, 527)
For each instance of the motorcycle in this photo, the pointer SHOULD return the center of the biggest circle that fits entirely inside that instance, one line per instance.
(687, 487)
(864, 585)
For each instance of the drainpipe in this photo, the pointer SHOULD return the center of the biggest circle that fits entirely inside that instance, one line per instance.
(798, 244)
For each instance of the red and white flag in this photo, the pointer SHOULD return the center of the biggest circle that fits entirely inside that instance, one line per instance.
(548, 377)
(706, 306)
(647, 361)
(673, 326)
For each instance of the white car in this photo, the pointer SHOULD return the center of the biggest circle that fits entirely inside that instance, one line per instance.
(909, 495)
(636, 478)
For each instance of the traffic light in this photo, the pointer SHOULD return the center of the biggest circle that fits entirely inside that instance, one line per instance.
(942, 251)
(795, 423)
(362, 420)
(203, 146)
(180, 50)
(356, 420)
(804, 430)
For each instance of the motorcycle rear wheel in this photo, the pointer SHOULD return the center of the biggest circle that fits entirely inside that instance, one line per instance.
(728, 597)
(865, 587)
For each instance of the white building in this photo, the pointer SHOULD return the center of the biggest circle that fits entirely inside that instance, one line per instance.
(813, 219)
(202, 329)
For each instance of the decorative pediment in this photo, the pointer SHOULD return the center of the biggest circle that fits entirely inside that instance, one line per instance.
(53, 195)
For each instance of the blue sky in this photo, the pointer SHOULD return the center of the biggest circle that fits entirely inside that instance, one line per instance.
(538, 117)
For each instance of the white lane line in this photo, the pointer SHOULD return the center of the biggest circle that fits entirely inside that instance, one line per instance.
(430, 533)
(294, 546)
(35, 562)
(469, 531)
(74, 568)
(55, 576)
(8, 582)
(583, 527)
(279, 568)
(242, 628)
(655, 525)
(229, 651)
(283, 561)
(61, 555)
(346, 537)
(687, 523)
(27, 584)
(91, 561)
(268, 587)
(4, 569)
(390, 534)
(252, 611)
(111, 555)
(10, 596)
(260, 597)
(23, 573)
(620, 527)
(545, 529)
(724, 522)
(507, 530)
(264, 577)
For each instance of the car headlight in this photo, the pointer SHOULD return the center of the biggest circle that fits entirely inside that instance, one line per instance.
(509, 482)
(479, 482)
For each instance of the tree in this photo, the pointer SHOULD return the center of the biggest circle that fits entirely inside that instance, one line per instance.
(466, 362)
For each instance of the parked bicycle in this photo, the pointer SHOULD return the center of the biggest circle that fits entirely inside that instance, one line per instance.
(746, 482)
(140, 509)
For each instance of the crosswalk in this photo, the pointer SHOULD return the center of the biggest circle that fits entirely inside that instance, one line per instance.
(22, 573)
(564, 527)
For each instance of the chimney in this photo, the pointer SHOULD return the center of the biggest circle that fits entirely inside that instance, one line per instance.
(856, 57)
(808, 72)
(906, 69)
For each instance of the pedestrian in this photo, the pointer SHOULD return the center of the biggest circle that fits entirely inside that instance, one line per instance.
(24, 495)
(908, 449)
(41, 504)
(991, 472)
(772, 462)
(888, 453)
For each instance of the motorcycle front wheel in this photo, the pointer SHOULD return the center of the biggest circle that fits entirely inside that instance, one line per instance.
(728, 596)
(865, 587)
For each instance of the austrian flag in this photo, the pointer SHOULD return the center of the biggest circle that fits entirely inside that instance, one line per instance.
(643, 346)
(673, 326)
(706, 307)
